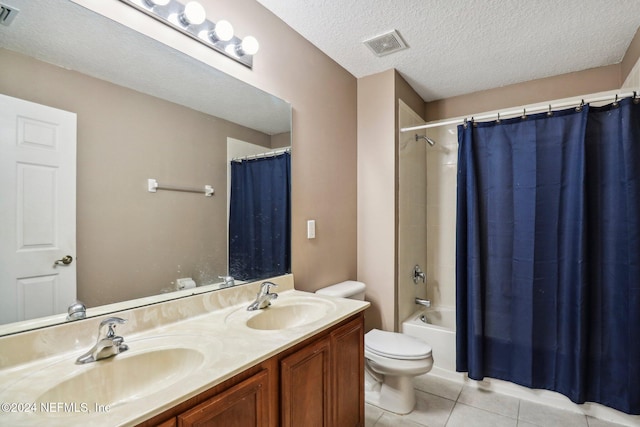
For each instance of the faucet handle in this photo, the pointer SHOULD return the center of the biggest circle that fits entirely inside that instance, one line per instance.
(266, 287)
(111, 323)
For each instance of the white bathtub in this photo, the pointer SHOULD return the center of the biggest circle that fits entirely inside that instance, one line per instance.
(438, 329)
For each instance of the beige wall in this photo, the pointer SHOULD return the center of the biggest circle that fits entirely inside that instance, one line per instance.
(563, 86)
(131, 243)
(323, 96)
(378, 175)
(631, 57)
(377, 196)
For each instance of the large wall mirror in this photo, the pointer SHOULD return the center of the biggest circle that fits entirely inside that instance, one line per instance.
(143, 111)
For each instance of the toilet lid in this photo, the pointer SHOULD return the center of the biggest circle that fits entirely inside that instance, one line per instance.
(395, 345)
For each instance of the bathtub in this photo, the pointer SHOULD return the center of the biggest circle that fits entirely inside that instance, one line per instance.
(437, 327)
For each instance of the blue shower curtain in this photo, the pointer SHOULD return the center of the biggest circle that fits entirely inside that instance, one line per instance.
(260, 217)
(548, 253)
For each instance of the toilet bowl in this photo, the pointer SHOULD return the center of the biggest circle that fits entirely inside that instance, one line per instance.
(391, 359)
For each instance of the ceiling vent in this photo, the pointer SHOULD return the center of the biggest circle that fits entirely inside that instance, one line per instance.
(386, 44)
(7, 14)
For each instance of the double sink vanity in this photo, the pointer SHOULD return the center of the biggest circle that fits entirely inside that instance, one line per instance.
(204, 358)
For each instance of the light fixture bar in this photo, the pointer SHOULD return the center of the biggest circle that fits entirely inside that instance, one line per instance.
(176, 15)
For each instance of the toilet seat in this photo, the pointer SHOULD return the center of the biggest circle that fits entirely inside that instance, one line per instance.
(394, 345)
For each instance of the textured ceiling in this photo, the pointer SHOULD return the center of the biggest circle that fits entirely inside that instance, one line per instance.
(65, 34)
(462, 46)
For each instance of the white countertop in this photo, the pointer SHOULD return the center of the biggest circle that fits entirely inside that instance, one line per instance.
(216, 344)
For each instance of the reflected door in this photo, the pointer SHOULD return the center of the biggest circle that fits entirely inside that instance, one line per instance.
(37, 210)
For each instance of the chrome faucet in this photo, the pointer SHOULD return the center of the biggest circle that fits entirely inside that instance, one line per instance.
(108, 345)
(228, 281)
(418, 274)
(424, 302)
(76, 311)
(264, 297)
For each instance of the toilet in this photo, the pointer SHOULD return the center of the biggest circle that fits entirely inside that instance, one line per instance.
(391, 359)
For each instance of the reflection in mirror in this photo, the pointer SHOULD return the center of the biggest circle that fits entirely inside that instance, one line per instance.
(142, 111)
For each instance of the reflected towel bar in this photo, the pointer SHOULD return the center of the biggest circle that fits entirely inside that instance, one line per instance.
(154, 187)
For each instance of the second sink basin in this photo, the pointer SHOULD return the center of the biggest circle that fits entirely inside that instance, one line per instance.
(290, 313)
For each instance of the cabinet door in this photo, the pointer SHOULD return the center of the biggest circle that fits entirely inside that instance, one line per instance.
(243, 405)
(347, 351)
(306, 385)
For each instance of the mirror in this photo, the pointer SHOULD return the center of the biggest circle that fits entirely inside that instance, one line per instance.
(143, 111)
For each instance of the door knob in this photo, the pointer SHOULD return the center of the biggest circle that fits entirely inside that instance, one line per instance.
(66, 260)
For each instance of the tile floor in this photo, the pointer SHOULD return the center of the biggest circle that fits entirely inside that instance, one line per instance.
(443, 403)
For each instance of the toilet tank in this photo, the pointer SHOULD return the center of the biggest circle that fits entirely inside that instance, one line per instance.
(349, 289)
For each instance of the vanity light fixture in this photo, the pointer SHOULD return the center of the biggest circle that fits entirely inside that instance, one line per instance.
(191, 19)
(222, 31)
(249, 46)
(193, 14)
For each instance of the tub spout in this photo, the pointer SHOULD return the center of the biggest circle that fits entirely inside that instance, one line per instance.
(424, 302)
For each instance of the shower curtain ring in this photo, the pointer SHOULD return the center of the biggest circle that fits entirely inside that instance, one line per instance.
(498, 119)
(550, 113)
(524, 114)
(635, 97)
(579, 108)
(615, 101)
(465, 123)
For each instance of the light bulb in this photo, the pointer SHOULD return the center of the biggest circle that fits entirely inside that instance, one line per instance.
(249, 46)
(157, 2)
(223, 31)
(193, 14)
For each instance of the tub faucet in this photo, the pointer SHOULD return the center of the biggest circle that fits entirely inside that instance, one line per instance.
(264, 297)
(108, 345)
(424, 302)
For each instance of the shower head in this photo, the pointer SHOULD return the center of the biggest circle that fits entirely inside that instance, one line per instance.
(430, 141)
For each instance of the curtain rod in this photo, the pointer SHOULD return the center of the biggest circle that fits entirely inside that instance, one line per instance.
(258, 156)
(521, 110)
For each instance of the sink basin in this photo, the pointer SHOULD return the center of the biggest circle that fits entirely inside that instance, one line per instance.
(120, 378)
(290, 314)
(151, 365)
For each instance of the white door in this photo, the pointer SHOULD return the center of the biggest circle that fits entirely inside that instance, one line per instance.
(37, 209)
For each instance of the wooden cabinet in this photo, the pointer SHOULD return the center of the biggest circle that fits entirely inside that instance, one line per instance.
(347, 362)
(243, 405)
(305, 386)
(322, 384)
(317, 383)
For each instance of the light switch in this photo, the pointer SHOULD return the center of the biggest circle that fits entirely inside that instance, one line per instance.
(311, 229)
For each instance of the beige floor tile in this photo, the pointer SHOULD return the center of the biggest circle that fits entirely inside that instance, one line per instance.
(431, 410)
(594, 422)
(371, 415)
(490, 401)
(392, 420)
(468, 416)
(546, 416)
(438, 386)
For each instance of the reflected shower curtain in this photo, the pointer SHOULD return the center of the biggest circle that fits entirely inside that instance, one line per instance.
(260, 217)
(548, 253)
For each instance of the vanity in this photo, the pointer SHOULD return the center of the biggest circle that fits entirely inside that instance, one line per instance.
(202, 359)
